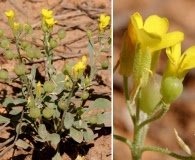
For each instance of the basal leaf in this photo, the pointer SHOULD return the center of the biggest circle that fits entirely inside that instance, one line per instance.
(76, 135)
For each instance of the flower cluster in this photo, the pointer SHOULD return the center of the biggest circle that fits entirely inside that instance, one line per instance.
(48, 20)
(16, 26)
(10, 15)
(79, 67)
(141, 48)
(103, 22)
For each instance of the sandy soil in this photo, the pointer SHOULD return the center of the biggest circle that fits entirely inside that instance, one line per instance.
(76, 17)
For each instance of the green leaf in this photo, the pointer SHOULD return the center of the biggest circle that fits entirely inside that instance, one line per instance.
(80, 124)
(8, 102)
(69, 120)
(57, 157)
(33, 71)
(19, 101)
(43, 132)
(4, 119)
(54, 138)
(104, 118)
(22, 144)
(15, 111)
(76, 135)
(59, 81)
(90, 47)
(89, 135)
(98, 103)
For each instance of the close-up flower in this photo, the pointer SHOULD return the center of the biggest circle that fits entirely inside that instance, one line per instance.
(179, 64)
(150, 35)
(103, 21)
(46, 13)
(50, 22)
(10, 15)
(16, 25)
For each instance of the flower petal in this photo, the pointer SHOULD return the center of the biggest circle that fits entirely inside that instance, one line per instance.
(174, 53)
(156, 25)
(188, 59)
(137, 20)
(168, 40)
(148, 39)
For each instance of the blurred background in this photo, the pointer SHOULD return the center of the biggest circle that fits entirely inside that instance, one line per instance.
(181, 116)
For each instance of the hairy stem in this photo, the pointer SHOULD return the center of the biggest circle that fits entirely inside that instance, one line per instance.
(167, 152)
(123, 139)
(68, 103)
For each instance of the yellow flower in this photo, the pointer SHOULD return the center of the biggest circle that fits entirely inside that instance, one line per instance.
(50, 22)
(16, 25)
(10, 15)
(103, 21)
(38, 89)
(179, 64)
(153, 32)
(80, 66)
(84, 59)
(151, 36)
(46, 13)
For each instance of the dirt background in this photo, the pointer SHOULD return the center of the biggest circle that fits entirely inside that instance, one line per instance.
(181, 16)
(76, 17)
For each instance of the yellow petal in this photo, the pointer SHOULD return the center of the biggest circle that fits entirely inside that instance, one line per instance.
(148, 39)
(174, 53)
(46, 13)
(188, 59)
(132, 34)
(137, 21)
(169, 40)
(10, 14)
(156, 25)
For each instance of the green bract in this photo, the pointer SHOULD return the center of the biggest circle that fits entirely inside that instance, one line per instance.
(62, 104)
(53, 43)
(67, 85)
(35, 112)
(5, 43)
(49, 86)
(1, 32)
(3, 74)
(20, 69)
(9, 54)
(85, 95)
(150, 95)
(93, 119)
(47, 112)
(61, 33)
(171, 89)
(87, 81)
(30, 52)
(105, 63)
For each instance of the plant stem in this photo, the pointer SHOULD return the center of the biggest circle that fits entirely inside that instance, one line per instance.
(18, 50)
(123, 139)
(127, 97)
(68, 104)
(162, 113)
(169, 153)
